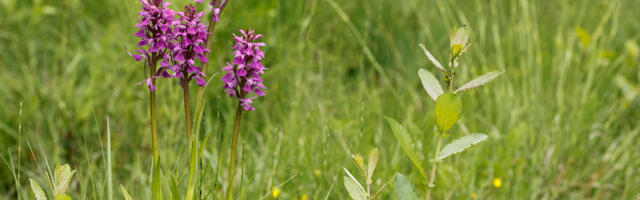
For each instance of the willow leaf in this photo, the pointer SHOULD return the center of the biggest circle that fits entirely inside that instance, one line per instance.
(432, 59)
(403, 138)
(461, 144)
(484, 79)
(404, 188)
(430, 84)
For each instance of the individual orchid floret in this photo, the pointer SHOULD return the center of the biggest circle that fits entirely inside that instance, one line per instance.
(215, 10)
(156, 35)
(243, 74)
(191, 34)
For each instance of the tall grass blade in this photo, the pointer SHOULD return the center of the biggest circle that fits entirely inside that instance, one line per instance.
(125, 194)
(109, 168)
(156, 185)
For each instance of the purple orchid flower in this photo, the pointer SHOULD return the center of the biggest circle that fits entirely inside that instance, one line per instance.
(191, 34)
(155, 31)
(243, 76)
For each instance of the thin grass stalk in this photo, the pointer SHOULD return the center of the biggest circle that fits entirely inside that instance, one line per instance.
(19, 148)
(234, 144)
(109, 170)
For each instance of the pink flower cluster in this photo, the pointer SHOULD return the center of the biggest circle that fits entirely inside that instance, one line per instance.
(191, 36)
(175, 43)
(243, 76)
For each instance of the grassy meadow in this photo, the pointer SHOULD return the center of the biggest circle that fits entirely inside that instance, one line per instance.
(562, 121)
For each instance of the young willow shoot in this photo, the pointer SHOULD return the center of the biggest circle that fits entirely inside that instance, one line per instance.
(59, 182)
(354, 188)
(447, 110)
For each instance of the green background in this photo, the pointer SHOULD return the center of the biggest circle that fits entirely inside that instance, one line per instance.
(562, 121)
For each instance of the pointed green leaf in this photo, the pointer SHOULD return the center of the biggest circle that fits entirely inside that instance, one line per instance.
(125, 193)
(447, 110)
(175, 194)
(37, 190)
(63, 175)
(404, 188)
(62, 197)
(372, 162)
(156, 185)
(405, 142)
(479, 81)
(461, 144)
(432, 59)
(430, 84)
(356, 191)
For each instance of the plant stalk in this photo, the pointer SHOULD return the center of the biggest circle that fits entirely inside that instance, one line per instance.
(155, 184)
(192, 137)
(434, 167)
(199, 107)
(234, 143)
(187, 106)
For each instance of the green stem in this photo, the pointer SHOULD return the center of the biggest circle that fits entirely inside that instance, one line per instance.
(155, 183)
(187, 107)
(451, 79)
(199, 108)
(434, 167)
(234, 144)
(192, 137)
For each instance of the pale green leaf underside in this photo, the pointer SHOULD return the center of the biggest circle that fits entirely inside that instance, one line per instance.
(447, 110)
(63, 175)
(431, 58)
(356, 191)
(403, 138)
(37, 190)
(461, 144)
(479, 81)
(430, 84)
(404, 188)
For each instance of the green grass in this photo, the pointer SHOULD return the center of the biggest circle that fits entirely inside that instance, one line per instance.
(562, 121)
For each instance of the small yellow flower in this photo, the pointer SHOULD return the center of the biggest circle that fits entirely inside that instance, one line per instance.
(497, 183)
(474, 195)
(317, 172)
(276, 192)
(304, 197)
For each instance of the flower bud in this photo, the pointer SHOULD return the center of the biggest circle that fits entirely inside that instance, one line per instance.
(359, 162)
(459, 40)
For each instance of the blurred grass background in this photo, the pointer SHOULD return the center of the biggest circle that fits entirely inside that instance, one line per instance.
(562, 121)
